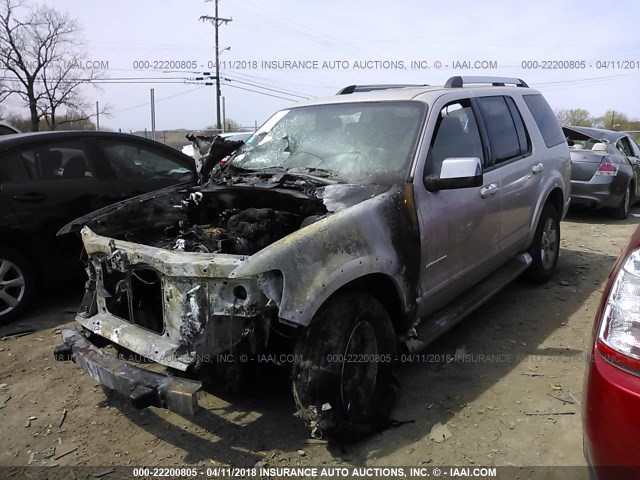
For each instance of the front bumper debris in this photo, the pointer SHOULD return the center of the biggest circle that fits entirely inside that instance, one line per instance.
(143, 387)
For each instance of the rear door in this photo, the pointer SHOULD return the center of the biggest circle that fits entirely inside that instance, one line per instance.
(139, 167)
(62, 182)
(11, 170)
(518, 168)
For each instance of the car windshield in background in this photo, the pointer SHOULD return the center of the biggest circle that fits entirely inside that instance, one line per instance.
(350, 140)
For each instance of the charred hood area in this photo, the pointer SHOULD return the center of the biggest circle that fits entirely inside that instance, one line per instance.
(217, 219)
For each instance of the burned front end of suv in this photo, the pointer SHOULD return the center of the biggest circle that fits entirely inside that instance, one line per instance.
(237, 265)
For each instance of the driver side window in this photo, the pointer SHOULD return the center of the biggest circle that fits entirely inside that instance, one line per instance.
(456, 135)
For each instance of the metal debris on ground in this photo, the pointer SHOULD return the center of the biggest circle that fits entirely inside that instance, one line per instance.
(17, 334)
(62, 418)
(549, 413)
(533, 374)
(64, 454)
(561, 399)
(575, 400)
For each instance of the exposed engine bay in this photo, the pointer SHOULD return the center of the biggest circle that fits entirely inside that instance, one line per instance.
(232, 220)
(209, 226)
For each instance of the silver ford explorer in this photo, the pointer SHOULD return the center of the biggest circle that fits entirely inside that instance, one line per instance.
(345, 233)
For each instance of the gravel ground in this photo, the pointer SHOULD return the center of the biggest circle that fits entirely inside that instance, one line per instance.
(499, 389)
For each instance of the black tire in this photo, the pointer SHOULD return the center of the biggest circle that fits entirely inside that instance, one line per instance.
(17, 285)
(340, 390)
(622, 210)
(545, 247)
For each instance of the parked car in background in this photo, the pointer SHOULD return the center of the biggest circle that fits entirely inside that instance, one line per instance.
(47, 179)
(345, 230)
(611, 408)
(605, 169)
(6, 129)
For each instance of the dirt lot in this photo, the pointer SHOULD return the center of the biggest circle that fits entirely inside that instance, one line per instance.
(518, 356)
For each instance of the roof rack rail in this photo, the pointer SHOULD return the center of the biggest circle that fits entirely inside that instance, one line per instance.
(369, 88)
(459, 82)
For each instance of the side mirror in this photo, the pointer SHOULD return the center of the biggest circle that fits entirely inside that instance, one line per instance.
(456, 172)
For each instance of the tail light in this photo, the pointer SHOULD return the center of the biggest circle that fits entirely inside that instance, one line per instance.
(619, 333)
(607, 169)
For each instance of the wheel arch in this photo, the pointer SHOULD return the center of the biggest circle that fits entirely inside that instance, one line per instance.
(384, 289)
(557, 198)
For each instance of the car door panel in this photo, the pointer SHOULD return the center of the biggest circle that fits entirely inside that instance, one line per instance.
(51, 197)
(454, 223)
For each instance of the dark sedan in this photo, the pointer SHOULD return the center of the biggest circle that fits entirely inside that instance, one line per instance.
(6, 129)
(48, 179)
(605, 169)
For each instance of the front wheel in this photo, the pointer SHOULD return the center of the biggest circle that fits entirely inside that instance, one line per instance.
(17, 284)
(343, 382)
(545, 247)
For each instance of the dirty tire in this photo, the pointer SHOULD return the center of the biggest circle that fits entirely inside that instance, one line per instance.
(340, 390)
(622, 210)
(545, 247)
(17, 284)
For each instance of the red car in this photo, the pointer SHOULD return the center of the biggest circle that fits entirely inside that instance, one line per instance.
(611, 410)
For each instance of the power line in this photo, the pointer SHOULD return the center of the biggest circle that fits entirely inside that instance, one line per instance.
(265, 88)
(157, 101)
(261, 93)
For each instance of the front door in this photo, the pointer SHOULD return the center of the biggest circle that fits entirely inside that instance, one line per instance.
(460, 229)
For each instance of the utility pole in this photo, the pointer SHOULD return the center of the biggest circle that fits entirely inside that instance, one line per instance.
(224, 116)
(153, 114)
(98, 116)
(216, 21)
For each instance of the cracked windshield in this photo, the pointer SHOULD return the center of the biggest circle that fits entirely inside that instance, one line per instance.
(348, 141)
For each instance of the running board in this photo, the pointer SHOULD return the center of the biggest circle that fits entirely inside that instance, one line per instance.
(430, 328)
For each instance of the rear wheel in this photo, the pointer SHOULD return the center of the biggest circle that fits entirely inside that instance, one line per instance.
(343, 383)
(622, 210)
(545, 247)
(17, 284)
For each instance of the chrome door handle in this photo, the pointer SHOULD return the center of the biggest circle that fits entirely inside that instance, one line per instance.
(489, 190)
(537, 168)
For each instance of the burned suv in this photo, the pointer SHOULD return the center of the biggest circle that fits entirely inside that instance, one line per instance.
(345, 231)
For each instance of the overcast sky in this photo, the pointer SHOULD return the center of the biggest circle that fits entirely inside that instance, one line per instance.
(508, 33)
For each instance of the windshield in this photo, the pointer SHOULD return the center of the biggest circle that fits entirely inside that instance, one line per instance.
(352, 141)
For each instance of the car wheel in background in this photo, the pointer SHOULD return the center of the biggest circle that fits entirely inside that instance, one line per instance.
(17, 284)
(622, 210)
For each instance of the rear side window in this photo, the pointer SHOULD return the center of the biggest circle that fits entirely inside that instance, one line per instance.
(133, 159)
(545, 119)
(12, 169)
(625, 147)
(503, 135)
(65, 160)
(521, 130)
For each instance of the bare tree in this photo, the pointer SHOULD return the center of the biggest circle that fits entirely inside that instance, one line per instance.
(575, 116)
(43, 61)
